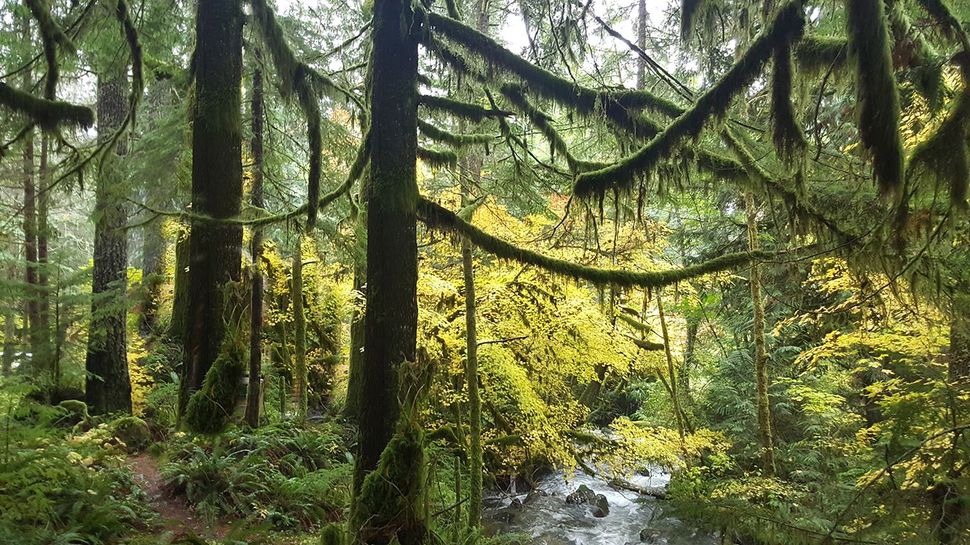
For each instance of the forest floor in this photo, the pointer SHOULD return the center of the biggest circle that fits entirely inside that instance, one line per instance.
(174, 515)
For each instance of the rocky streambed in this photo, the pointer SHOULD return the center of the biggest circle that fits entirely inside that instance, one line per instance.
(579, 509)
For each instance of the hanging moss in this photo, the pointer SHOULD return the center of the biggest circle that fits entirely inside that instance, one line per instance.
(123, 14)
(877, 93)
(471, 112)
(944, 17)
(547, 84)
(210, 409)
(945, 153)
(457, 140)
(912, 50)
(689, 9)
(817, 54)
(786, 134)
(295, 78)
(51, 37)
(49, 114)
(437, 217)
(438, 158)
(786, 27)
(543, 122)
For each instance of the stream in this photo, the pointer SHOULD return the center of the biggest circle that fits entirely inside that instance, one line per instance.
(545, 515)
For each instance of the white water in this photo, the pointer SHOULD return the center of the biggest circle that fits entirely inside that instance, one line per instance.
(545, 515)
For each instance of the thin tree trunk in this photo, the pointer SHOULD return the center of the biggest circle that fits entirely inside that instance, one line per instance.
(356, 359)
(641, 42)
(180, 297)
(671, 372)
(256, 303)
(958, 365)
(299, 331)
(760, 364)
(215, 249)
(9, 328)
(32, 299)
(108, 387)
(43, 234)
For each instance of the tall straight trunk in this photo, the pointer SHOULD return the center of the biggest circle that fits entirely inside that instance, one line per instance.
(760, 364)
(958, 365)
(152, 271)
(473, 170)
(671, 371)
(356, 359)
(390, 328)
(256, 249)
(641, 42)
(299, 331)
(43, 236)
(215, 249)
(9, 328)
(180, 297)
(32, 296)
(108, 387)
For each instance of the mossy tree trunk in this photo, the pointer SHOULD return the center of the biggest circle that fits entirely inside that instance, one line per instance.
(215, 248)
(671, 371)
(390, 328)
(758, 333)
(958, 365)
(108, 387)
(43, 239)
(256, 302)
(9, 329)
(299, 331)
(180, 297)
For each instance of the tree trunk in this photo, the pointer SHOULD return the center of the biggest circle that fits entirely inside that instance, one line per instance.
(256, 303)
(43, 234)
(108, 387)
(760, 364)
(32, 299)
(9, 328)
(299, 331)
(180, 297)
(356, 360)
(471, 374)
(390, 328)
(215, 249)
(671, 372)
(958, 365)
(641, 42)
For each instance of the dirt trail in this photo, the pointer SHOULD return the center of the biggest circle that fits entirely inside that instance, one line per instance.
(175, 515)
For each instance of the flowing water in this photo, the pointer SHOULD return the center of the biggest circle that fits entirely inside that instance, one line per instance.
(544, 514)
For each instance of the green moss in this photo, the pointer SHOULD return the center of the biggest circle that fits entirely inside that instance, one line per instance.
(786, 27)
(786, 134)
(437, 217)
(391, 505)
(877, 93)
(945, 154)
(77, 411)
(333, 534)
(49, 114)
(471, 112)
(457, 140)
(210, 409)
(689, 10)
(438, 158)
(133, 432)
(817, 54)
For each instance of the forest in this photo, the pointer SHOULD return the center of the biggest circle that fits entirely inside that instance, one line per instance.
(476, 272)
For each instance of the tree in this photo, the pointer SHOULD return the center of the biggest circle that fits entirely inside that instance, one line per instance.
(215, 246)
(108, 386)
(253, 394)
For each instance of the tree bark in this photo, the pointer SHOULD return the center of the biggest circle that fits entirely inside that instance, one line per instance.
(299, 331)
(180, 297)
(256, 303)
(760, 364)
(9, 329)
(215, 249)
(958, 364)
(108, 387)
(43, 234)
(641, 42)
(391, 319)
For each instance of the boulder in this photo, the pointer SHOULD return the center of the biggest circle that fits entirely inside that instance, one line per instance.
(133, 432)
(649, 536)
(582, 495)
(601, 507)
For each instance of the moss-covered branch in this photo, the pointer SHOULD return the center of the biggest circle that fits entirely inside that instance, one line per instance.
(465, 110)
(815, 54)
(438, 217)
(452, 139)
(49, 114)
(52, 37)
(123, 14)
(785, 132)
(547, 84)
(945, 154)
(877, 93)
(786, 27)
(438, 158)
(295, 78)
(945, 18)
